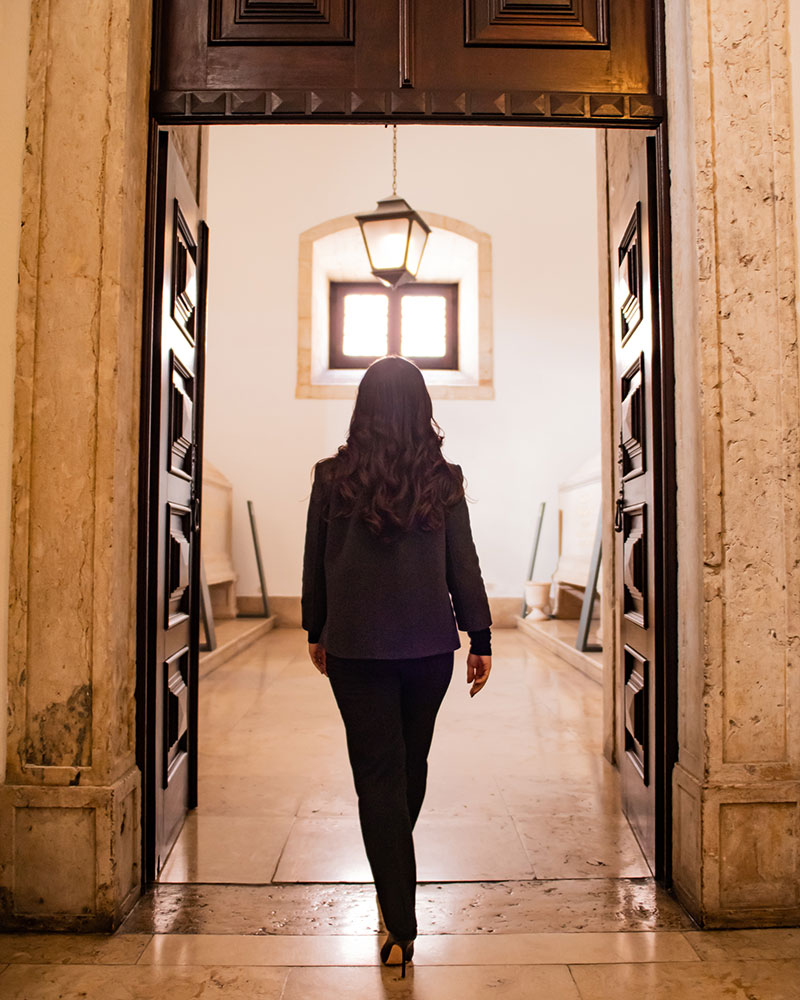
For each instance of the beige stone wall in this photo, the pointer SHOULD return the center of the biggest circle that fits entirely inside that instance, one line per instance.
(794, 54)
(69, 812)
(14, 31)
(737, 783)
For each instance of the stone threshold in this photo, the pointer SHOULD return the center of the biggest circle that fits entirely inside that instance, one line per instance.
(555, 905)
(233, 635)
(559, 636)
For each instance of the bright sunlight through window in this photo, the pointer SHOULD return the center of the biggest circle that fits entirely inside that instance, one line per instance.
(366, 326)
(423, 326)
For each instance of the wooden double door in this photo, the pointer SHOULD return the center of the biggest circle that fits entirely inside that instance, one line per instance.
(581, 62)
(645, 564)
(170, 498)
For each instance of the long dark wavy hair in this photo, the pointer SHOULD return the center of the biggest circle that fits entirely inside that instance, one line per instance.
(391, 471)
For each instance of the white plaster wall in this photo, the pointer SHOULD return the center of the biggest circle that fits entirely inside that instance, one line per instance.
(533, 191)
(14, 34)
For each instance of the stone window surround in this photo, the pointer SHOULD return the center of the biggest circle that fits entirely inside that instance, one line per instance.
(475, 379)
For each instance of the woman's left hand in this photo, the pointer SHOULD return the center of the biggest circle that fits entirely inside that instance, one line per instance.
(478, 670)
(317, 654)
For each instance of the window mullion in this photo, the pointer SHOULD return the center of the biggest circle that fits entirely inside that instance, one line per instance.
(394, 321)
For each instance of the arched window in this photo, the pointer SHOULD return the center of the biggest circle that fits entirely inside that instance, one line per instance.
(443, 321)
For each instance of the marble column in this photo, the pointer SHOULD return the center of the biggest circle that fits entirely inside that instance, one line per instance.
(737, 783)
(70, 807)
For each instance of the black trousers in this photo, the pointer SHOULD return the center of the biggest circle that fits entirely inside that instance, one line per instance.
(389, 709)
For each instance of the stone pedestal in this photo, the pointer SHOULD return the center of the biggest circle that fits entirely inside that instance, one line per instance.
(69, 811)
(70, 856)
(737, 784)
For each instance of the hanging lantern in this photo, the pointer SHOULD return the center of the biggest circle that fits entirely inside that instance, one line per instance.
(394, 235)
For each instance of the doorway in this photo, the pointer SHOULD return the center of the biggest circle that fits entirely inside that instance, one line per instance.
(592, 64)
(330, 433)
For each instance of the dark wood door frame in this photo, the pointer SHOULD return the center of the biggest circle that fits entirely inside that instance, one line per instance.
(666, 541)
(451, 61)
(197, 108)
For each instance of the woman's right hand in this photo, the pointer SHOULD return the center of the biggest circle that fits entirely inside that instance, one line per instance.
(317, 654)
(478, 669)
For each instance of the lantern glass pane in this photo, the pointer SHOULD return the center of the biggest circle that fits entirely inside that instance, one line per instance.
(423, 326)
(365, 331)
(416, 245)
(386, 239)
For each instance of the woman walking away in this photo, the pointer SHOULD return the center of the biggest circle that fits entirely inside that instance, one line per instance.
(388, 559)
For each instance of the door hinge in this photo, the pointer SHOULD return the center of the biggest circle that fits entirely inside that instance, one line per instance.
(619, 519)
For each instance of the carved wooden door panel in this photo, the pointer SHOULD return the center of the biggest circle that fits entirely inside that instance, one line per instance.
(570, 61)
(635, 310)
(178, 352)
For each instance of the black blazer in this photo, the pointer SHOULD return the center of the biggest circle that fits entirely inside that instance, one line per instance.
(366, 598)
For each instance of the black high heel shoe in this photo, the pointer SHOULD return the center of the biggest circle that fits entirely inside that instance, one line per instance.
(397, 952)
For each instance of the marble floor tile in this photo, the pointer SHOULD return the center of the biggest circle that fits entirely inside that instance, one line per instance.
(324, 849)
(463, 848)
(568, 766)
(592, 905)
(216, 764)
(453, 794)
(431, 949)
(531, 794)
(769, 943)
(698, 981)
(448, 848)
(247, 909)
(581, 845)
(140, 982)
(72, 949)
(432, 983)
(248, 950)
(248, 794)
(335, 798)
(227, 849)
(552, 949)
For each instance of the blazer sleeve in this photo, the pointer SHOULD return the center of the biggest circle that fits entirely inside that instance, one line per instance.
(464, 579)
(314, 600)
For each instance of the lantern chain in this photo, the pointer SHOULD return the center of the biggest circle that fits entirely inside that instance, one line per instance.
(394, 160)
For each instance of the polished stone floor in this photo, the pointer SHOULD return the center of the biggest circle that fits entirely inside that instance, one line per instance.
(643, 965)
(518, 788)
(532, 885)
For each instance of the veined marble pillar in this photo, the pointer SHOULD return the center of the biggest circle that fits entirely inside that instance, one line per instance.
(737, 784)
(70, 809)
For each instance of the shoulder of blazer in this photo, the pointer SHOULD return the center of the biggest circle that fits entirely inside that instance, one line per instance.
(459, 472)
(323, 474)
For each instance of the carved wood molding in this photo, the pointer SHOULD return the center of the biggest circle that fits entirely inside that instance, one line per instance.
(210, 106)
(307, 22)
(534, 23)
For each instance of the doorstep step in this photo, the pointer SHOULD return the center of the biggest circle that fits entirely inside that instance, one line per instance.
(233, 636)
(563, 644)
